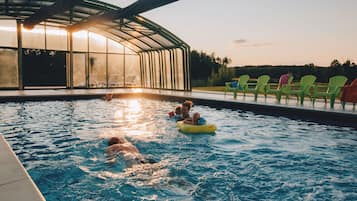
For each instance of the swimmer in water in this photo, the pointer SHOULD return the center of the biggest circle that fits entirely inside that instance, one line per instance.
(108, 97)
(131, 154)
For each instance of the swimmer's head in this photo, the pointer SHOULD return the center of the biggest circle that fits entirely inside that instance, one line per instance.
(116, 140)
(187, 104)
(196, 116)
(178, 110)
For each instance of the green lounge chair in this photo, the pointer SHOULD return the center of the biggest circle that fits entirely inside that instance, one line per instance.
(278, 91)
(304, 87)
(259, 86)
(242, 83)
(335, 85)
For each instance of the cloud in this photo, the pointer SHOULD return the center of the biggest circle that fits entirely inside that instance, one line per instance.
(261, 44)
(245, 43)
(240, 41)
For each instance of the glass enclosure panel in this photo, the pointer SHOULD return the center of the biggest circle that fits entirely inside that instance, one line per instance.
(147, 71)
(140, 44)
(157, 69)
(180, 71)
(97, 43)
(151, 42)
(79, 70)
(133, 34)
(116, 70)
(80, 41)
(129, 50)
(168, 70)
(8, 68)
(114, 47)
(97, 70)
(132, 71)
(56, 39)
(162, 40)
(34, 38)
(8, 34)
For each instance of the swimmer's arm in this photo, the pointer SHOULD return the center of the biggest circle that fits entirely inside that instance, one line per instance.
(188, 121)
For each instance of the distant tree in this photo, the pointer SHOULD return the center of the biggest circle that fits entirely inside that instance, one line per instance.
(347, 63)
(226, 61)
(335, 63)
(203, 65)
(311, 65)
(223, 75)
(219, 60)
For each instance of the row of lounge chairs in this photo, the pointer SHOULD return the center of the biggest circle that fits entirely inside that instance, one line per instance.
(305, 87)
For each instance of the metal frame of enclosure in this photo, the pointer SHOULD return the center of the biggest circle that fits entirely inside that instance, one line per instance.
(117, 47)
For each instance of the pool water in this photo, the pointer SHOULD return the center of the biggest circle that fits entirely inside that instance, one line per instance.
(251, 157)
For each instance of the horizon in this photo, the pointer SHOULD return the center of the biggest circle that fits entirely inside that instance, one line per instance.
(273, 32)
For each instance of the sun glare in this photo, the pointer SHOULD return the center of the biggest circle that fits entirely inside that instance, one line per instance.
(134, 106)
(9, 29)
(137, 90)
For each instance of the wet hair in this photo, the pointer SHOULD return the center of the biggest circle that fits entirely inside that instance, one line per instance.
(187, 104)
(178, 110)
(115, 140)
(195, 117)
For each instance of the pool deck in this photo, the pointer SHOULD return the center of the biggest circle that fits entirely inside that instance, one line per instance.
(15, 183)
(291, 108)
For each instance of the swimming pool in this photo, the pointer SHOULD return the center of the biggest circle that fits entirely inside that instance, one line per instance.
(251, 157)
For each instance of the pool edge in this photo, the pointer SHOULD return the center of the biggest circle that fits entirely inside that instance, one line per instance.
(15, 182)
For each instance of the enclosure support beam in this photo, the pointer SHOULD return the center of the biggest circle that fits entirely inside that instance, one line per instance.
(19, 55)
(44, 13)
(136, 8)
(70, 36)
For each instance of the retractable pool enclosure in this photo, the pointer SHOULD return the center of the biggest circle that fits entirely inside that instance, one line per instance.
(88, 44)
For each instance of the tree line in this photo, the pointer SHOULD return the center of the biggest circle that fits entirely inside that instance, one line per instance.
(209, 70)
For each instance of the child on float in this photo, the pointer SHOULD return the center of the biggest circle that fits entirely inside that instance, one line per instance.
(195, 120)
(177, 114)
(182, 111)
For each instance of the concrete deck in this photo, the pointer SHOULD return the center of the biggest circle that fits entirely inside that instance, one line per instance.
(15, 183)
(291, 108)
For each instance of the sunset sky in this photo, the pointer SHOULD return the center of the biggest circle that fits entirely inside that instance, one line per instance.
(255, 32)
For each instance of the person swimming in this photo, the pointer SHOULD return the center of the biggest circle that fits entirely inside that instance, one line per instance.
(129, 152)
(108, 97)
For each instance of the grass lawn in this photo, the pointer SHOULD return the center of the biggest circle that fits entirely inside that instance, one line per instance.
(213, 88)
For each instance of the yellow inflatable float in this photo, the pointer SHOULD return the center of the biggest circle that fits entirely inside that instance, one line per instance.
(188, 128)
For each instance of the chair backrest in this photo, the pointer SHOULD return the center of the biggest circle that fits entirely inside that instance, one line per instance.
(286, 87)
(354, 83)
(336, 83)
(306, 82)
(262, 82)
(243, 79)
(291, 78)
(349, 93)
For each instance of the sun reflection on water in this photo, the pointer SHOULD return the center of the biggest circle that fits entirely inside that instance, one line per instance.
(133, 122)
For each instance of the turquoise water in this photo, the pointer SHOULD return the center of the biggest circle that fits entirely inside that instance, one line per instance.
(251, 157)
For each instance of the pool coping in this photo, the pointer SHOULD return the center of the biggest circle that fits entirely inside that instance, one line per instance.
(330, 117)
(15, 183)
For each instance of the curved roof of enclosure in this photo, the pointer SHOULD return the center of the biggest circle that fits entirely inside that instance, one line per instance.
(136, 32)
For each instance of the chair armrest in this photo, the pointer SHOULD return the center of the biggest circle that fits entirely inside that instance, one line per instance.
(318, 88)
(267, 87)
